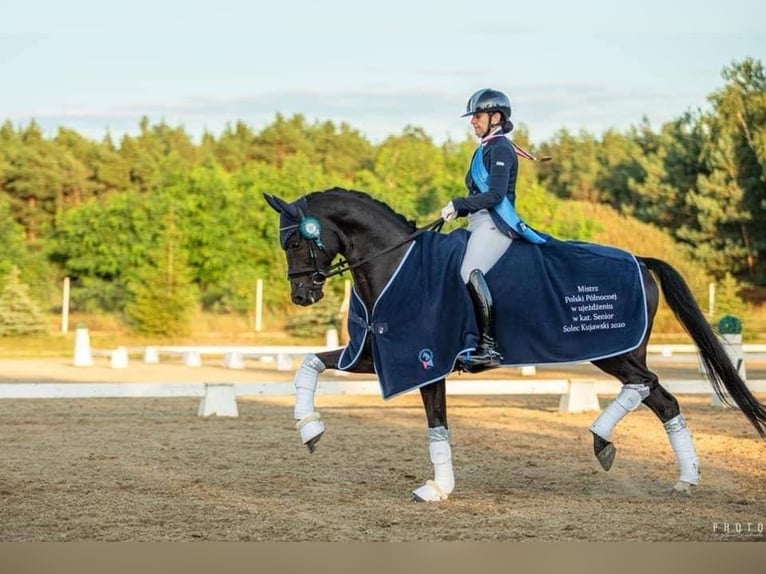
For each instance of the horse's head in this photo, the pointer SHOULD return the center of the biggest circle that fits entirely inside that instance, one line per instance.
(370, 237)
(309, 248)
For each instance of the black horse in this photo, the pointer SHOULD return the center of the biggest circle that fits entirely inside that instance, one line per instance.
(372, 239)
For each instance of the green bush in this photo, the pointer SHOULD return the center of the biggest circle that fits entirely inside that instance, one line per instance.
(729, 325)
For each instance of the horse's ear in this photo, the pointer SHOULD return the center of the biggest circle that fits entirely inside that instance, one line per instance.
(274, 202)
(281, 206)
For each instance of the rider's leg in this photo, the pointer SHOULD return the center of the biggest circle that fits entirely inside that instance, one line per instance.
(486, 354)
(485, 246)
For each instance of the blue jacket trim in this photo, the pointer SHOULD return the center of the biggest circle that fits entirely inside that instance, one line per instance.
(504, 209)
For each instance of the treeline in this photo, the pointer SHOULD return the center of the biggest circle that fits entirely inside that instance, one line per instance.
(702, 177)
(157, 223)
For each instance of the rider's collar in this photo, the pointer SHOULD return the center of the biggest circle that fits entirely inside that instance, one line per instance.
(498, 132)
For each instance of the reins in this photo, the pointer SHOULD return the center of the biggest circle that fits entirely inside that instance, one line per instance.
(319, 276)
(343, 265)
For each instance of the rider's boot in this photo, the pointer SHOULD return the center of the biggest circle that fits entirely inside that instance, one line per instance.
(486, 355)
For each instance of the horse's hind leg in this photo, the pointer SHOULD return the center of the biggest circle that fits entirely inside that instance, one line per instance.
(665, 406)
(435, 402)
(640, 385)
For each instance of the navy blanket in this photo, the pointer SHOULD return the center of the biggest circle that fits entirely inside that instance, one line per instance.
(558, 302)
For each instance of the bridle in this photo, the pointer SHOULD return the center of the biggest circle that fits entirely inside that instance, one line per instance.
(310, 228)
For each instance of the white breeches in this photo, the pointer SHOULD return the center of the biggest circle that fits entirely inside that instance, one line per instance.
(486, 244)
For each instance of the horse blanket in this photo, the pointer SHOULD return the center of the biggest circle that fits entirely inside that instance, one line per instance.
(555, 302)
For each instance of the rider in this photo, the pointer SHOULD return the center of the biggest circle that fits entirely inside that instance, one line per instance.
(490, 207)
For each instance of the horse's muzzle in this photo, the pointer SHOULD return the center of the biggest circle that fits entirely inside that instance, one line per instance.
(307, 294)
(305, 297)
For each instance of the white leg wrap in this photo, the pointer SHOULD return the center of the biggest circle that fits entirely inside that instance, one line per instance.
(681, 440)
(628, 399)
(441, 457)
(309, 424)
(306, 385)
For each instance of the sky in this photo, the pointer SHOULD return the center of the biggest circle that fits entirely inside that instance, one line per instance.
(98, 66)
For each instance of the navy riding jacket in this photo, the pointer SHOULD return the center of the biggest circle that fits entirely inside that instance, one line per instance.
(502, 163)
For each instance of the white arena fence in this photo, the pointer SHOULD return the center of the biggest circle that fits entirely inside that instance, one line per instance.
(233, 356)
(576, 395)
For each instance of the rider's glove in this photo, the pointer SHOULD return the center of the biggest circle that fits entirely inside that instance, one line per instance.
(448, 212)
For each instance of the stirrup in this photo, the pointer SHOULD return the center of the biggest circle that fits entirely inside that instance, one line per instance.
(482, 360)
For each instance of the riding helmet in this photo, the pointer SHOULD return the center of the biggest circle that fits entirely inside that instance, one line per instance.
(488, 100)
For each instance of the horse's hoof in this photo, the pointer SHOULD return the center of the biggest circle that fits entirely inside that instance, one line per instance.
(604, 451)
(311, 430)
(606, 456)
(683, 488)
(312, 444)
(429, 492)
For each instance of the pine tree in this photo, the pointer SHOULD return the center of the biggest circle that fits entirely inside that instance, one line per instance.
(728, 300)
(163, 296)
(19, 314)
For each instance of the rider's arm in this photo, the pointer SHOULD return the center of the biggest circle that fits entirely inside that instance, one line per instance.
(502, 162)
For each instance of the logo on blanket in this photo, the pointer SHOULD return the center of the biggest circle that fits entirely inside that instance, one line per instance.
(426, 357)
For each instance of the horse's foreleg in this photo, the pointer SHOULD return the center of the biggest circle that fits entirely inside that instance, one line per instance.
(309, 422)
(435, 402)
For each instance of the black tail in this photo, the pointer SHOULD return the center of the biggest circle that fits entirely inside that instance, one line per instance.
(722, 374)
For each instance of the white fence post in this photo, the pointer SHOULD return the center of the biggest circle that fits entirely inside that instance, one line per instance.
(258, 305)
(119, 358)
(732, 343)
(82, 354)
(331, 338)
(65, 307)
(580, 397)
(151, 355)
(233, 360)
(220, 399)
(192, 359)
